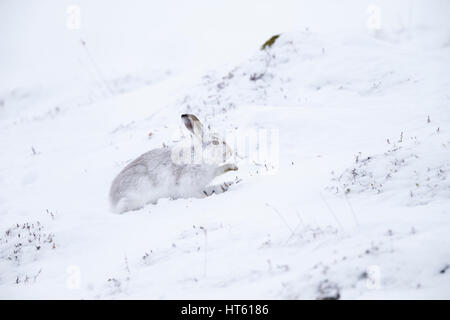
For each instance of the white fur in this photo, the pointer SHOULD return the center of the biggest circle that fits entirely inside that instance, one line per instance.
(158, 174)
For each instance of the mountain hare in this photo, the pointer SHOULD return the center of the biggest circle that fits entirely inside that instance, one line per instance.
(181, 171)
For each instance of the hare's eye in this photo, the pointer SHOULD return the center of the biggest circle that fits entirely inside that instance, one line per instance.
(215, 142)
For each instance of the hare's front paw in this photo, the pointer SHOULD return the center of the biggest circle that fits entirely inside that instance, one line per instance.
(231, 167)
(225, 168)
(224, 186)
(216, 189)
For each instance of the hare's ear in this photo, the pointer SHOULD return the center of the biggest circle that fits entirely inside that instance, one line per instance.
(192, 124)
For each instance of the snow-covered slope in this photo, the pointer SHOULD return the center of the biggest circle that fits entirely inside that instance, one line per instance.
(353, 202)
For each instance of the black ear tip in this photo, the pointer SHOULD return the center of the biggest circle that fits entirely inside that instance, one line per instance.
(190, 116)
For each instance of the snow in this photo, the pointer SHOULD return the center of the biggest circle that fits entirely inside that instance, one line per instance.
(353, 201)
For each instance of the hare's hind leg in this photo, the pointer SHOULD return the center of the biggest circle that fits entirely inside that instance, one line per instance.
(127, 204)
(133, 201)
